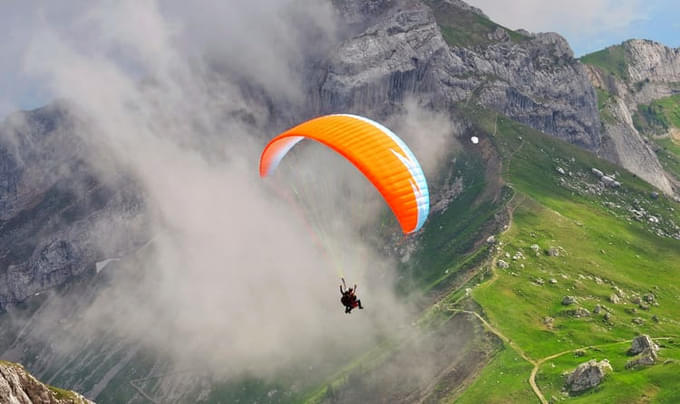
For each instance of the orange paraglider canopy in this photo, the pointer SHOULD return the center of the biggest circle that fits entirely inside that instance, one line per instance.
(375, 150)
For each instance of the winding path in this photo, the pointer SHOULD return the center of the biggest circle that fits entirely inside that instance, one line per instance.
(537, 363)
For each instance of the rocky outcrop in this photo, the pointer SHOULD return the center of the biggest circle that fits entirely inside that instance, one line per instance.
(641, 343)
(587, 375)
(649, 71)
(626, 147)
(18, 387)
(646, 352)
(652, 61)
(401, 53)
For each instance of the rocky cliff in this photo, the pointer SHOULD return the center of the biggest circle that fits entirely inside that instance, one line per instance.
(627, 75)
(441, 53)
(445, 53)
(17, 386)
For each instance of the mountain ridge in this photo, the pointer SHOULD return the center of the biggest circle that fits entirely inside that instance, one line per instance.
(397, 51)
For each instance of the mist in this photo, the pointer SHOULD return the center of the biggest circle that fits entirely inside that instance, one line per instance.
(239, 273)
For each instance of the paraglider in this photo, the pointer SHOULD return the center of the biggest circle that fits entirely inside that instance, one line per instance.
(375, 150)
(378, 153)
(349, 298)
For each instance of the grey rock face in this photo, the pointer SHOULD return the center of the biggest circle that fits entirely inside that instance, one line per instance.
(647, 357)
(402, 54)
(640, 343)
(628, 149)
(18, 386)
(587, 375)
(652, 72)
(578, 312)
(652, 61)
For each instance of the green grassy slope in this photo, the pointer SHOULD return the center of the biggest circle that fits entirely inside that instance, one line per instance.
(466, 28)
(602, 246)
(662, 118)
(611, 60)
(669, 155)
(658, 116)
(447, 245)
(447, 260)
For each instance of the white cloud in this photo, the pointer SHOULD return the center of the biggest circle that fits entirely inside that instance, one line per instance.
(233, 275)
(576, 19)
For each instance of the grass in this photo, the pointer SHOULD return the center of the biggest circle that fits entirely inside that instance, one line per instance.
(61, 394)
(602, 249)
(669, 155)
(611, 60)
(503, 380)
(642, 384)
(447, 245)
(465, 28)
(604, 98)
(659, 116)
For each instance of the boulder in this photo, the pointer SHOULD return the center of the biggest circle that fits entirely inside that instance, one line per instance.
(619, 292)
(647, 357)
(578, 312)
(568, 300)
(502, 264)
(614, 298)
(598, 173)
(587, 375)
(608, 181)
(642, 342)
(553, 252)
(547, 320)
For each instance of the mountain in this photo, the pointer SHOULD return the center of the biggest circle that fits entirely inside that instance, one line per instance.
(628, 77)
(54, 205)
(447, 53)
(519, 222)
(18, 386)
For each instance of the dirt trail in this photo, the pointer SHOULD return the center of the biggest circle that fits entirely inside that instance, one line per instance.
(512, 205)
(675, 135)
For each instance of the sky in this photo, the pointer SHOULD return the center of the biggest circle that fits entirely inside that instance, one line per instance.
(588, 25)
